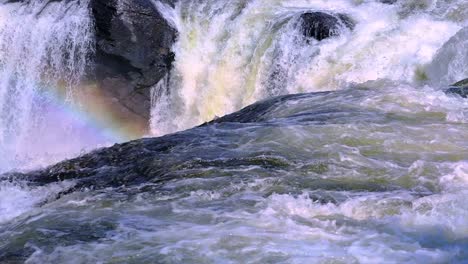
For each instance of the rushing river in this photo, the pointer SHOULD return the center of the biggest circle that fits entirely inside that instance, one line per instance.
(365, 161)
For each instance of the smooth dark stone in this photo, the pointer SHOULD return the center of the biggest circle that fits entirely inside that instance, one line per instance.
(462, 91)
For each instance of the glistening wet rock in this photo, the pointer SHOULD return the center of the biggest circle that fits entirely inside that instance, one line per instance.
(462, 83)
(320, 25)
(213, 145)
(459, 88)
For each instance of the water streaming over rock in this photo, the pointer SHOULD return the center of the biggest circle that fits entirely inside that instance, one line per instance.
(232, 54)
(374, 170)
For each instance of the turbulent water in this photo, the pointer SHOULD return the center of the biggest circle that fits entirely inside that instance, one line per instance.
(374, 172)
(233, 54)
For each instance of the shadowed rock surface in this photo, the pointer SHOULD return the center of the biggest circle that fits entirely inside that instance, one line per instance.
(459, 88)
(133, 50)
(154, 160)
(321, 25)
(390, 2)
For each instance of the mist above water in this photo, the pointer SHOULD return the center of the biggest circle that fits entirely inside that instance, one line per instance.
(45, 47)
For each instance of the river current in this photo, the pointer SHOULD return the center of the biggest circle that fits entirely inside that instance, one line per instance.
(360, 157)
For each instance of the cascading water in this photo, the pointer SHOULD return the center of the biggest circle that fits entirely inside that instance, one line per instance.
(232, 54)
(375, 171)
(45, 48)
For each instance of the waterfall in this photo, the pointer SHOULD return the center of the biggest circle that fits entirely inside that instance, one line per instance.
(228, 55)
(374, 169)
(44, 50)
(231, 54)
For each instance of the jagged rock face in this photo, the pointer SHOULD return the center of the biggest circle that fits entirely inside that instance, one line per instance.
(133, 43)
(321, 25)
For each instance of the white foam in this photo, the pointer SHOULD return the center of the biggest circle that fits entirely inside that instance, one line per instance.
(17, 199)
(227, 53)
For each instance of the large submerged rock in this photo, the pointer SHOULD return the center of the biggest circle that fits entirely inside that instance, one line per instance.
(188, 153)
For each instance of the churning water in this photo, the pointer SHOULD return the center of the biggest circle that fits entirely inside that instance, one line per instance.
(374, 172)
(233, 54)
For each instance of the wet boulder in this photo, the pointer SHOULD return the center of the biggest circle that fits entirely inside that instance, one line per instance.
(133, 51)
(460, 88)
(188, 153)
(321, 25)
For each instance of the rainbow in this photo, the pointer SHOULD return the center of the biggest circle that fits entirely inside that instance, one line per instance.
(99, 112)
(72, 121)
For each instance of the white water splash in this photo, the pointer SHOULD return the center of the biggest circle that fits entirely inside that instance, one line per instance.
(232, 54)
(258, 215)
(17, 199)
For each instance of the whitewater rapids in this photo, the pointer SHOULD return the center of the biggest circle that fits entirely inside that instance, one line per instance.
(229, 54)
(373, 170)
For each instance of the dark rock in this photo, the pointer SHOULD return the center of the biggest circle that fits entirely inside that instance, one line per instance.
(389, 2)
(153, 160)
(462, 91)
(462, 83)
(143, 161)
(459, 88)
(321, 25)
(133, 50)
(258, 112)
